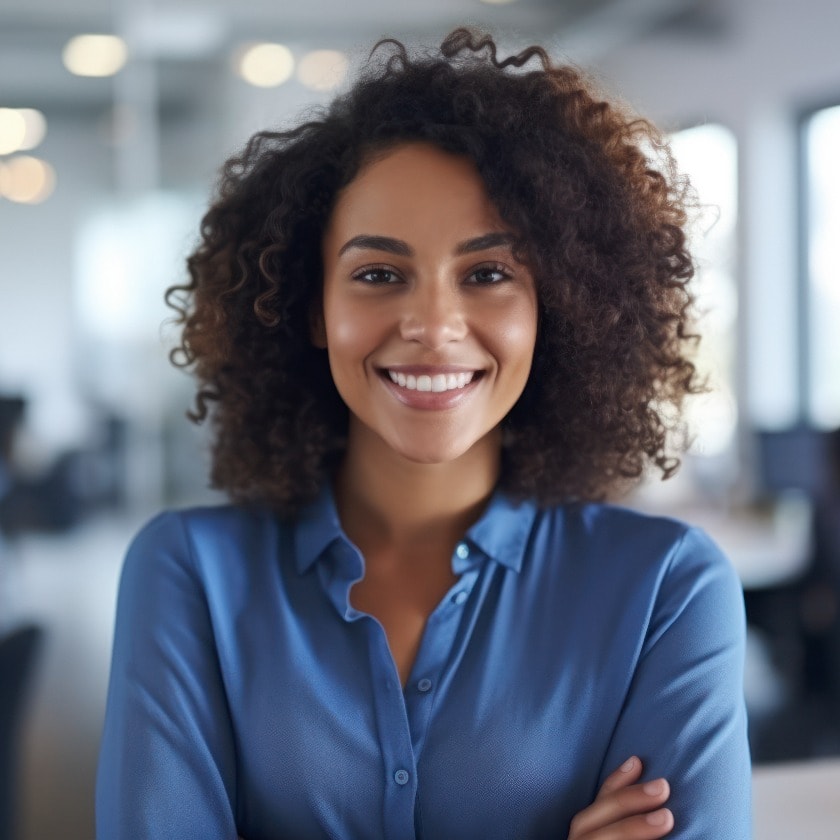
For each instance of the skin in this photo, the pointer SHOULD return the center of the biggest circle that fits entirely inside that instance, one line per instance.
(420, 281)
(626, 809)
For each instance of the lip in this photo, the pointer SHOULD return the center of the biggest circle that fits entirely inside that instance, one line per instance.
(429, 400)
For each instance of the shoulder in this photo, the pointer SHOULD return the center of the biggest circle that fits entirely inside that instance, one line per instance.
(198, 539)
(199, 524)
(612, 548)
(609, 530)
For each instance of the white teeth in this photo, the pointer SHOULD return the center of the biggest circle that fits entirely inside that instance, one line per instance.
(438, 383)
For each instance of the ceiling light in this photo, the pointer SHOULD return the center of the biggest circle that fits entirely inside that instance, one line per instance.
(497, 2)
(322, 69)
(20, 128)
(266, 65)
(27, 180)
(12, 130)
(95, 55)
(36, 127)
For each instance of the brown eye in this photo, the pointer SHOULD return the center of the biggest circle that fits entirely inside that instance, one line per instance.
(486, 275)
(376, 276)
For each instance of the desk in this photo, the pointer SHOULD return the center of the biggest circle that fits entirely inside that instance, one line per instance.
(768, 546)
(797, 800)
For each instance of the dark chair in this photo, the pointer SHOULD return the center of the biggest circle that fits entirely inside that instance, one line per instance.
(801, 618)
(18, 652)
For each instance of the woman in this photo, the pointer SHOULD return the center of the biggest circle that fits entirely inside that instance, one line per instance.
(430, 327)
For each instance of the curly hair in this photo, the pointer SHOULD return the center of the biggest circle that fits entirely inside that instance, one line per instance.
(599, 213)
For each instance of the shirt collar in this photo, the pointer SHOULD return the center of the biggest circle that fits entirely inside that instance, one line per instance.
(317, 528)
(501, 533)
(504, 528)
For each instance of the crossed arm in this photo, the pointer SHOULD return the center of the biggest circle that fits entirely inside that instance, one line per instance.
(624, 809)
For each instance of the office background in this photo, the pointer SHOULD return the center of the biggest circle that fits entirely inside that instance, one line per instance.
(102, 183)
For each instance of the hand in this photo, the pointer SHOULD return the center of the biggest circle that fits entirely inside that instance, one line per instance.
(623, 810)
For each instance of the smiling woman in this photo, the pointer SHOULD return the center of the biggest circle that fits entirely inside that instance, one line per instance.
(433, 327)
(429, 324)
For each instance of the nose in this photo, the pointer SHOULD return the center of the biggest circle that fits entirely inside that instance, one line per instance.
(433, 316)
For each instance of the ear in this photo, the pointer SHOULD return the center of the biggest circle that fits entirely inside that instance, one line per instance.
(317, 327)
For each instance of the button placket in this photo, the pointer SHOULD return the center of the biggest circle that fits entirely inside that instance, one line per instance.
(436, 647)
(394, 738)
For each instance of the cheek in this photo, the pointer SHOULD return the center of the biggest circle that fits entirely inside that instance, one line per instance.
(517, 336)
(341, 326)
(351, 334)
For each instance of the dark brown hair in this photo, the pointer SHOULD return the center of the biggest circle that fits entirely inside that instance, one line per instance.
(592, 194)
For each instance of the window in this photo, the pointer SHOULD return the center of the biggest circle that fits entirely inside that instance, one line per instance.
(821, 342)
(708, 155)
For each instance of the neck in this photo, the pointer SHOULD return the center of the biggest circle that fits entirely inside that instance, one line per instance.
(384, 499)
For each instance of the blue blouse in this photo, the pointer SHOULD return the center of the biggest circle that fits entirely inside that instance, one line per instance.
(248, 697)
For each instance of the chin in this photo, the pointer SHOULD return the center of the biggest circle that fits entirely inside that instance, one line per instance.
(431, 456)
(433, 451)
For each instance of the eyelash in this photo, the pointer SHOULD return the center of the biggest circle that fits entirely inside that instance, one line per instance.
(364, 274)
(495, 269)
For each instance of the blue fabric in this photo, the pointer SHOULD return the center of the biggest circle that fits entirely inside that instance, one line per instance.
(248, 697)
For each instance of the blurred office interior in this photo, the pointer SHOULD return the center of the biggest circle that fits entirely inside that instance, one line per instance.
(106, 161)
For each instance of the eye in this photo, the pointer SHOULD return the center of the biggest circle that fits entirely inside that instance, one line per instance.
(486, 275)
(376, 275)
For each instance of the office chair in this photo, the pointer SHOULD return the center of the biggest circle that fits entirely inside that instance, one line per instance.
(18, 652)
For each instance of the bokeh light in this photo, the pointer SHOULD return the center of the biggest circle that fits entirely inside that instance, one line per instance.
(322, 69)
(265, 65)
(12, 130)
(26, 180)
(95, 55)
(36, 127)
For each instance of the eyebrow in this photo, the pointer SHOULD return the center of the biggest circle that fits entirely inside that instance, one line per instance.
(403, 249)
(485, 243)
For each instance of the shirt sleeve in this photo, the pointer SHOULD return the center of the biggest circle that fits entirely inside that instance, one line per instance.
(684, 715)
(167, 761)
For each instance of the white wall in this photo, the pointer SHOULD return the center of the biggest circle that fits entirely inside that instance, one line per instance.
(37, 330)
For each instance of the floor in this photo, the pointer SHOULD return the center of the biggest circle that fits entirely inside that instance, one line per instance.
(68, 584)
(797, 799)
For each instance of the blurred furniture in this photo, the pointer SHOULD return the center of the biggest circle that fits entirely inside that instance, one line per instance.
(797, 800)
(74, 484)
(799, 618)
(18, 653)
(769, 544)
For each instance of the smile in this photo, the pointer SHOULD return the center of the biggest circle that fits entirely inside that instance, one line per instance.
(437, 384)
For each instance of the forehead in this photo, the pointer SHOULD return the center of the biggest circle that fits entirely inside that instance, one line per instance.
(414, 190)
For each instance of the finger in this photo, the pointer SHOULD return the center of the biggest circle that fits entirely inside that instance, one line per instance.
(620, 804)
(649, 826)
(624, 776)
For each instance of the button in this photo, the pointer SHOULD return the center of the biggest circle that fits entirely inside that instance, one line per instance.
(459, 597)
(401, 777)
(424, 685)
(462, 551)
